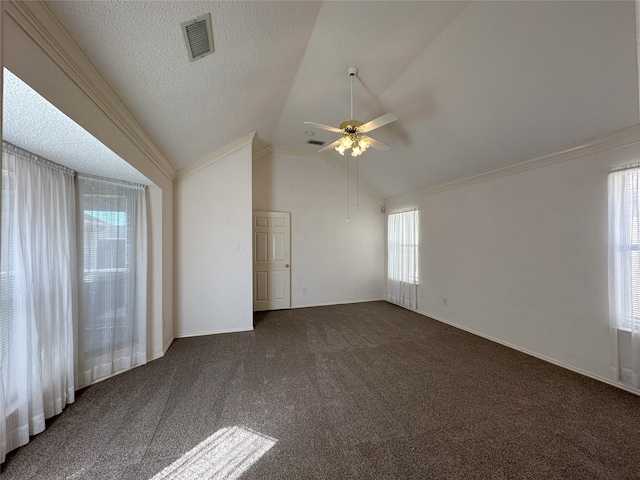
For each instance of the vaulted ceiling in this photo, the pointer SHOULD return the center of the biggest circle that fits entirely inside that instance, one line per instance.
(475, 85)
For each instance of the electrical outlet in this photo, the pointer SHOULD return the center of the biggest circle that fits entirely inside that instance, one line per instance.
(240, 246)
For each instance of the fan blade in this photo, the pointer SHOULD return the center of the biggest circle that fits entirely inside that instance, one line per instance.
(378, 122)
(324, 127)
(377, 144)
(332, 145)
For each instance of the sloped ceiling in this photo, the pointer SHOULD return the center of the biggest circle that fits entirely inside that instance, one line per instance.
(44, 130)
(475, 85)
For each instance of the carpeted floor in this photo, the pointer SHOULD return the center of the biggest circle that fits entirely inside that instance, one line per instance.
(351, 391)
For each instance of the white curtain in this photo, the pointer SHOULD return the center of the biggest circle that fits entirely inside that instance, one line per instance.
(37, 294)
(113, 265)
(402, 258)
(624, 273)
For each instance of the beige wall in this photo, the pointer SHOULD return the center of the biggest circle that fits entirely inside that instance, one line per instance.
(42, 71)
(332, 260)
(213, 284)
(522, 259)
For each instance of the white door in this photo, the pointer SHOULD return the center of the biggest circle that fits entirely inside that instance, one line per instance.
(271, 260)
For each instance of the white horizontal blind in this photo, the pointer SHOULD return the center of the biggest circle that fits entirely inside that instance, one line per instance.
(624, 273)
(402, 258)
(43, 335)
(112, 327)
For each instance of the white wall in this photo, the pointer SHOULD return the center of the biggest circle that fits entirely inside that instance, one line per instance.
(523, 258)
(37, 63)
(213, 280)
(335, 261)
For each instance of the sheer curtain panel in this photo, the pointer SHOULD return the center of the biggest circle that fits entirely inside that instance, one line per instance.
(113, 265)
(624, 274)
(402, 258)
(37, 294)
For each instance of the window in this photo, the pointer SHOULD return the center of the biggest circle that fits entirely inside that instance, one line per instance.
(104, 248)
(402, 258)
(624, 273)
(111, 335)
(67, 241)
(624, 245)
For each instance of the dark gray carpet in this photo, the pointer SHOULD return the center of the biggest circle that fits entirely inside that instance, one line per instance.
(351, 391)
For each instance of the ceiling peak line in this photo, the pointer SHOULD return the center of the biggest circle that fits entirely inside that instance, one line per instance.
(332, 161)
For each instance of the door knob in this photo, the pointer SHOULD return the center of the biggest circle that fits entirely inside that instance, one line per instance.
(287, 265)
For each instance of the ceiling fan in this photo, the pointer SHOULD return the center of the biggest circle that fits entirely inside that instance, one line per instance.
(354, 131)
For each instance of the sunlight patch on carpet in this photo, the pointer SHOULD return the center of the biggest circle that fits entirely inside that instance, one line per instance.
(228, 453)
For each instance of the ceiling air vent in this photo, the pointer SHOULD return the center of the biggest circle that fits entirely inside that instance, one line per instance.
(315, 142)
(198, 36)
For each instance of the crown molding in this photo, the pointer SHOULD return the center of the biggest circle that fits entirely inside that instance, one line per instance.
(212, 158)
(263, 152)
(618, 138)
(327, 158)
(39, 23)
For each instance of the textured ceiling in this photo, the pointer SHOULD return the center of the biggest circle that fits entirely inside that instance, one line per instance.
(475, 84)
(32, 123)
(191, 109)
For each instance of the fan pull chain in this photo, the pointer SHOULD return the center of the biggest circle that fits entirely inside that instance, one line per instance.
(357, 186)
(348, 219)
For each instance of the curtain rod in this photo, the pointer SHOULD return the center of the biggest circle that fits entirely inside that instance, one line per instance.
(625, 167)
(404, 211)
(30, 156)
(109, 180)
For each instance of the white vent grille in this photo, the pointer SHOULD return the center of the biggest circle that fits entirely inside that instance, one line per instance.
(198, 36)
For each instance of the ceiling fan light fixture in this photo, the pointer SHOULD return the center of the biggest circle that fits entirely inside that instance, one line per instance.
(354, 141)
(353, 132)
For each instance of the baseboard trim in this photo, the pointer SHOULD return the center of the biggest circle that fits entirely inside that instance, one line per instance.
(157, 356)
(327, 304)
(166, 347)
(214, 332)
(529, 352)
